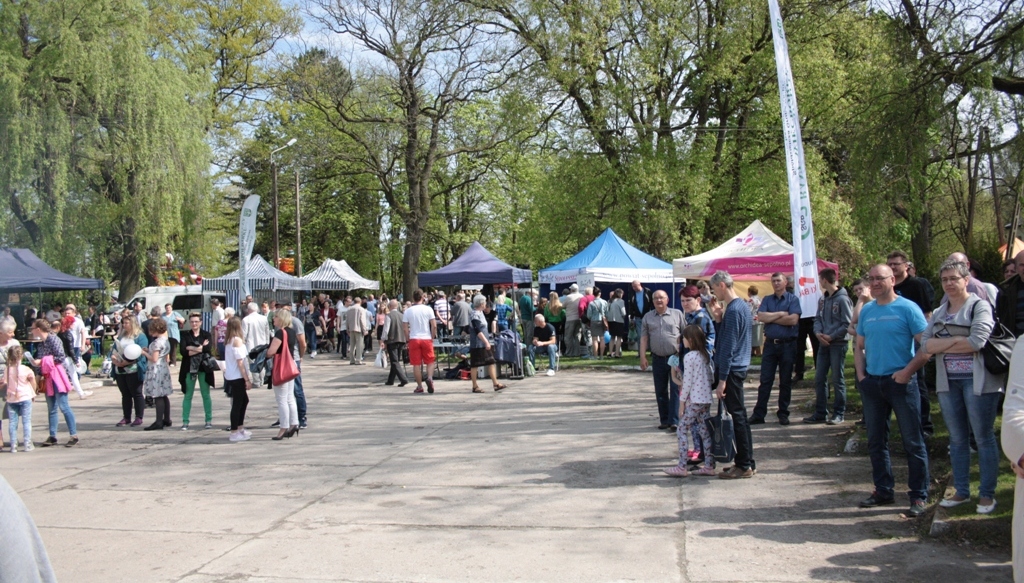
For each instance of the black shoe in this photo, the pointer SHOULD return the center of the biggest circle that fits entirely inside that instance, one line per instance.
(153, 427)
(663, 426)
(755, 421)
(783, 420)
(389, 384)
(167, 424)
(302, 425)
(673, 427)
(276, 423)
(402, 384)
(814, 419)
(876, 500)
(430, 385)
(49, 441)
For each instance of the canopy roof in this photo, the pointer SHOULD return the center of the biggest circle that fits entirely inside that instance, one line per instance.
(754, 253)
(338, 275)
(477, 266)
(610, 258)
(22, 272)
(261, 275)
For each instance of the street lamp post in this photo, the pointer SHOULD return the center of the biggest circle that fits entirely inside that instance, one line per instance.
(273, 172)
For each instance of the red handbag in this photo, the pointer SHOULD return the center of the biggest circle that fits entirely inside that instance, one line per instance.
(285, 369)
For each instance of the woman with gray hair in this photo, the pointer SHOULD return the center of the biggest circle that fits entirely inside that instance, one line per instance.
(7, 327)
(968, 393)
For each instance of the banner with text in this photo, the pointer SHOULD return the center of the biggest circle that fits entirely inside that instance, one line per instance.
(246, 240)
(805, 256)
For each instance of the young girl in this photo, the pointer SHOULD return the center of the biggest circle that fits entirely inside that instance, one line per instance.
(695, 399)
(21, 389)
(157, 384)
(236, 379)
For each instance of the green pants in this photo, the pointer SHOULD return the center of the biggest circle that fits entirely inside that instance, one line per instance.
(204, 389)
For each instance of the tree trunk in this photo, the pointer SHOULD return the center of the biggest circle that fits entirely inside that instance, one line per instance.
(921, 243)
(127, 268)
(411, 258)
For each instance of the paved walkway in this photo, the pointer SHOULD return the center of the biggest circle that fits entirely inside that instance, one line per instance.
(555, 479)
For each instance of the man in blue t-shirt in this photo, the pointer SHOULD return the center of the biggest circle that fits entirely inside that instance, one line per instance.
(887, 331)
(732, 357)
(780, 314)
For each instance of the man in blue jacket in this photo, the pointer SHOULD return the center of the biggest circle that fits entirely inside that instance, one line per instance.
(732, 358)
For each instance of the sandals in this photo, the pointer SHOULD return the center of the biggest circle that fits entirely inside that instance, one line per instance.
(499, 387)
(477, 390)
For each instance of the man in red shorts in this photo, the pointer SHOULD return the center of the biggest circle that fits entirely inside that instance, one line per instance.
(420, 329)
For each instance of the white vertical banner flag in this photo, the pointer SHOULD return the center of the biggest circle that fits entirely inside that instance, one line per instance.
(246, 239)
(805, 257)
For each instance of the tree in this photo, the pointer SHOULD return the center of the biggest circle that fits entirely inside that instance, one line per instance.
(430, 59)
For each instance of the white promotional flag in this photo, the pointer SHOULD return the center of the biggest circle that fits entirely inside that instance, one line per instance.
(805, 257)
(246, 239)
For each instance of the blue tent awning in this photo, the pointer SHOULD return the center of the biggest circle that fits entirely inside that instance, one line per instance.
(611, 259)
(22, 272)
(475, 267)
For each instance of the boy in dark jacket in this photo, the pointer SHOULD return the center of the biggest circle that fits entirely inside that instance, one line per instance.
(830, 327)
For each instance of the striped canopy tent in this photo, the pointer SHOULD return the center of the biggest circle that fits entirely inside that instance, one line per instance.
(335, 275)
(261, 275)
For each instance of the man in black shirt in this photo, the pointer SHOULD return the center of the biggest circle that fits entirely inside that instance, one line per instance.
(544, 338)
(921, 293)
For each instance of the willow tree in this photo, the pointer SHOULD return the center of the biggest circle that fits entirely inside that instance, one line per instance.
(104, 156)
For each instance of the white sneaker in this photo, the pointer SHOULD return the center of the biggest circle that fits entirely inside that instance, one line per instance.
(29, 446)
(238, 436)
(551, 372)
(14, 448)
(247, 433)
(312, 354)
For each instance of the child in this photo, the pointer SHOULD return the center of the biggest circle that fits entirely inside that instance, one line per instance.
(157, 384)
(695, 399)
(21, 389)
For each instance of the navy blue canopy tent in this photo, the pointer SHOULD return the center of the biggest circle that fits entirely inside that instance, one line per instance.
(477, 266)
(22, 272)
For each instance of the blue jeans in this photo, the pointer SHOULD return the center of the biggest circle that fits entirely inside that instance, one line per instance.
(832, 359)
(964, 411)
(310, 331)
(22, 410)
(776, 358)
(551, 349)
(300, 396)
(882, 396)
(97, 346)
(343, 343)
(60, 401)
(665, 391)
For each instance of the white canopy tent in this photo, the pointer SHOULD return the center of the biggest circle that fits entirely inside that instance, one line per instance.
(338, 275)
(750, 257)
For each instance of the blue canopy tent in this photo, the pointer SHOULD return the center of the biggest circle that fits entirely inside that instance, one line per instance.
(614, 263)
(21, 271)
(477, 266)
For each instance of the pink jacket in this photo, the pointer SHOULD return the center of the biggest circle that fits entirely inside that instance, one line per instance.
(55, 376)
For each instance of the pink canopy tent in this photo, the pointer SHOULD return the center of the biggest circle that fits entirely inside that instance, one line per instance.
(751, 256)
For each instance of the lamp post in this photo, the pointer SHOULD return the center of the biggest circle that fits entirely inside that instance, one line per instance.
(273, 173)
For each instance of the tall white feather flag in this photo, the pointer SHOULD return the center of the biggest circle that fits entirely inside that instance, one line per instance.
(246, 239)
(805, 256)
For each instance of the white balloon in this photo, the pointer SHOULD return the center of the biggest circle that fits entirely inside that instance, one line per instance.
(132, 352)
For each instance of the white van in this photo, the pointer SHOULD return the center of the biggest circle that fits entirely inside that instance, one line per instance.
(184, 299)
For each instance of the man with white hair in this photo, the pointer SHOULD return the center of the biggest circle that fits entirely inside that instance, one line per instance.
(255, 329)
(393, 336)
(443, 313)
(732, 358)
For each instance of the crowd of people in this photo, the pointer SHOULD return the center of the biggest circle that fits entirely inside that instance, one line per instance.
(703, 351)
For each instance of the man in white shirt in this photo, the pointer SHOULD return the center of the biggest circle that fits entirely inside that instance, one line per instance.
(218, 312)
(421, 329)
(255, 329)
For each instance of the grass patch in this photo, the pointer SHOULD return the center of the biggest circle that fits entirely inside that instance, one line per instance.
(992, 530)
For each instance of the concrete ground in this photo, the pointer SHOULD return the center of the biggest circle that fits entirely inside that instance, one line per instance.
(555, 479)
